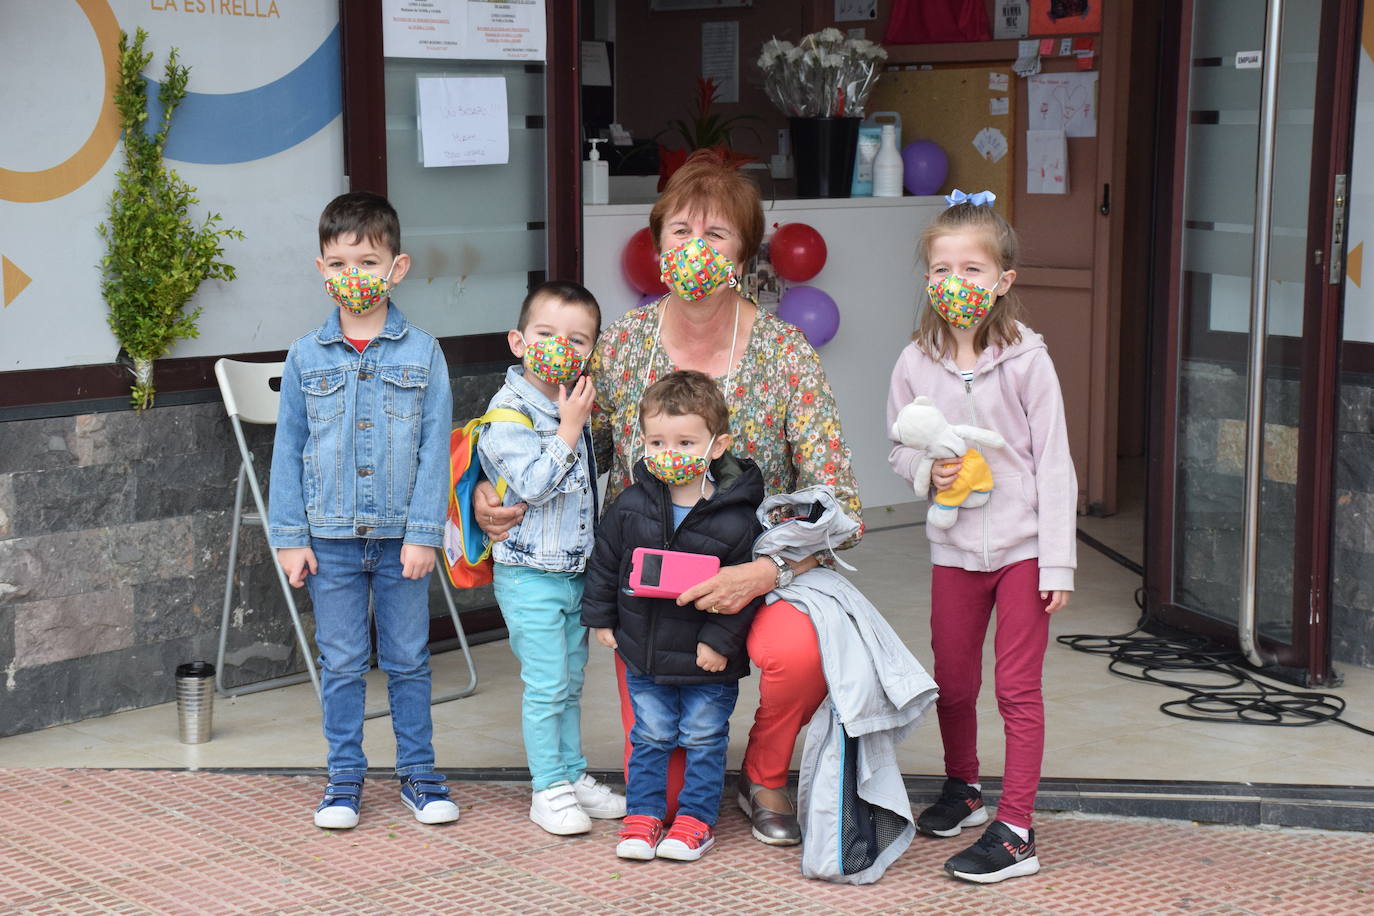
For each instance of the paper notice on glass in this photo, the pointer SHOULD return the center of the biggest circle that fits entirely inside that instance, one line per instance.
(1047, 162)
(464, 29)
(855, 10)
(991, 144)
(1063, 101)
(424, 28)
(463, 120)
(1027, 58)
(720, 58)
(596, 64)
(1010, 18)
(999, 105)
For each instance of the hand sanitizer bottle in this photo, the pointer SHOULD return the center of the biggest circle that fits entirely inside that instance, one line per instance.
(596, 177)
(887, 165)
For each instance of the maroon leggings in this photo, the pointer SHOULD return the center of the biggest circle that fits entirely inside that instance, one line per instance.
(961, 604)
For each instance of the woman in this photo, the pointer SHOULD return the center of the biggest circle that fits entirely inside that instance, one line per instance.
(782, 415)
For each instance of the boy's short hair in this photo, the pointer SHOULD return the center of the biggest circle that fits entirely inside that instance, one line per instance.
(564, 291)
(361, 215)
(685, 392)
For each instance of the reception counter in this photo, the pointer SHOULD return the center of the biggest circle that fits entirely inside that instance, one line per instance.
(870, 273)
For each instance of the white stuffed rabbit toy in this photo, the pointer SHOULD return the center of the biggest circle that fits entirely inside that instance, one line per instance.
(921, 425)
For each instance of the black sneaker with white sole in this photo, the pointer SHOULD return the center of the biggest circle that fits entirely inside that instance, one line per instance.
(960, 806)
(998, 855)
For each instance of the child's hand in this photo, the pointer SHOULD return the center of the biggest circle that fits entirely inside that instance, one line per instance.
(416, 561)
(709, 659)
(605, 636)
(574, 407)
(1057, 600)
(295, 561)
(943, 473)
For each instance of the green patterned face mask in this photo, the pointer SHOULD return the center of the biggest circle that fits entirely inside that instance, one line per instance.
(675, 467)
(695, 270)
(358, 290)
(963, 303)
(553, 359)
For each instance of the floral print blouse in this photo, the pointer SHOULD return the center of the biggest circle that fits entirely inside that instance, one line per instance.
(782, 412)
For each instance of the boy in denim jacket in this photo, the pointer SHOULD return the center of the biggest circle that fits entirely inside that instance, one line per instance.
(538, 568)
(358, 498)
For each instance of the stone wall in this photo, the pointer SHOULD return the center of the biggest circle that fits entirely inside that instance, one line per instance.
(1211, 491)
(114, 537)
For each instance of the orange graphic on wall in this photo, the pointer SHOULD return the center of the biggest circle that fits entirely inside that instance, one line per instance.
(65, 177)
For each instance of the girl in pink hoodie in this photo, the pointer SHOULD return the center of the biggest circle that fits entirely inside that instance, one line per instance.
(982, 367)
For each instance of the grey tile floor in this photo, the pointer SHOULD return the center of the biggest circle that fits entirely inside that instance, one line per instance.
(1099, 725)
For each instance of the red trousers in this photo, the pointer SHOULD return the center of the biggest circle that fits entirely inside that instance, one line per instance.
(782, 645)
(961, 604)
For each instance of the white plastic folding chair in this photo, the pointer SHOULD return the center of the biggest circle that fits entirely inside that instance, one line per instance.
(249, 398)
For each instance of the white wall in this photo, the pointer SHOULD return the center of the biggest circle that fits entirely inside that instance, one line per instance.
(869, 273)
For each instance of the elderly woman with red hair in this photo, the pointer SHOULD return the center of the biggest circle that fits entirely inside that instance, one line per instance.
(709, 223)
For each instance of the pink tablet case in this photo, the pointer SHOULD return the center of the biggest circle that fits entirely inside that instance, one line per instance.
(668, 573)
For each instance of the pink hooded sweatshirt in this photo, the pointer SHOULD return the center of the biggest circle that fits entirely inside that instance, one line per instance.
(1034, 504)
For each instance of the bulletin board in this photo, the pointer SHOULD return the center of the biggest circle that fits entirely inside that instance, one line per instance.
(950, 106)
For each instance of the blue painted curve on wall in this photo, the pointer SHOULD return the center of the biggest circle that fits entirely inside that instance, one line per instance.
(220, 128)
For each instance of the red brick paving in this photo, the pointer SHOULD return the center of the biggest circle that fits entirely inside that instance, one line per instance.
(171, 842)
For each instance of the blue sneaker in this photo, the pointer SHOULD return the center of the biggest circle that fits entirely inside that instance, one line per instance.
(339, 809)
(426, 795)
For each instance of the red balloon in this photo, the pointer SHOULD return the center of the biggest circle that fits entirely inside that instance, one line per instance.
(639, 262)
(797, 252)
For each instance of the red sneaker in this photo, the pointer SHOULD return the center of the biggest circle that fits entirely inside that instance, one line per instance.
(640, 835)
(687, 840)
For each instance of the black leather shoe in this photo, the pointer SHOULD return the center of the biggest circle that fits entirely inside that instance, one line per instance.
(776, 828)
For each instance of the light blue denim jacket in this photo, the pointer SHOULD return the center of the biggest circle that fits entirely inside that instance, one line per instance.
(556, 483)
(362, 438)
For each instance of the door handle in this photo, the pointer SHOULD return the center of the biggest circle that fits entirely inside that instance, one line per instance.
(1106, 207)
(1337, 259)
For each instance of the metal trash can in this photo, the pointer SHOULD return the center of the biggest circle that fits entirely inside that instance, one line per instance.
(195, 701)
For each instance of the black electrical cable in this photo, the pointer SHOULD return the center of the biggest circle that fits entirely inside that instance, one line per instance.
(1234, 695)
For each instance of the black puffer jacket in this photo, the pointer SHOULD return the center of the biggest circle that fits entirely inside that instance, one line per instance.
(655, 636)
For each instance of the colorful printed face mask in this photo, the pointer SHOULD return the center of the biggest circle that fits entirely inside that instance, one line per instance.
(675, 467)
(358, 290)
(695, 270)
(553, 359)
(963, 303)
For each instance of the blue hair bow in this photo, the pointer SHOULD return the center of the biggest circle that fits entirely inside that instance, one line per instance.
(980, 199)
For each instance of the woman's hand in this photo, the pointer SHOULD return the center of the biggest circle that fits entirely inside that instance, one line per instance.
(728, 591)
(943, 473)
(494, 519)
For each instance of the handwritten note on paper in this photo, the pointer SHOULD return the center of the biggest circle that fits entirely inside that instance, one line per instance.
(991, 144)
(1063, 101)
(463, 120)
(1047, 162)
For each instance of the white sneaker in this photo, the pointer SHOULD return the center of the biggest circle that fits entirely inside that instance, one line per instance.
(596, 799)
(556, 810)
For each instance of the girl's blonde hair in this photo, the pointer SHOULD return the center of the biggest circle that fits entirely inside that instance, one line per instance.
(933, 334)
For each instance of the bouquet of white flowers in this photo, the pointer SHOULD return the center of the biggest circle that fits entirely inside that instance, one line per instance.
(825, 75)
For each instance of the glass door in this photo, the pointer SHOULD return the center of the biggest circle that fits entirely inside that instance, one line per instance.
(1236, 465)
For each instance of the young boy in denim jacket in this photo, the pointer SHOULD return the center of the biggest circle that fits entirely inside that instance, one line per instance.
(358, 499)
(538, 568)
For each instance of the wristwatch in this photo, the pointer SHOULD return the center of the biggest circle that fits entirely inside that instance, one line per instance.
(785, 573)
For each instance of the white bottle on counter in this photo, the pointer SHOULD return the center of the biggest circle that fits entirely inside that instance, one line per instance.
(887, 165)
(596, 177)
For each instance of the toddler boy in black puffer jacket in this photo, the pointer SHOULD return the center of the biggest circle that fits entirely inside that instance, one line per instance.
(683, 665)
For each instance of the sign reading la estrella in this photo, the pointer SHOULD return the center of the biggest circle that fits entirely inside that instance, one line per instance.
(252, 9)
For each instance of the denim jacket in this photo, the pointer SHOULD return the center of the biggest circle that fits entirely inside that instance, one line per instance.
(362, 438)
(557, 484)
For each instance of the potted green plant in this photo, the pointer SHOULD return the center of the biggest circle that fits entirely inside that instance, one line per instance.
(156, 254)
(703, 129)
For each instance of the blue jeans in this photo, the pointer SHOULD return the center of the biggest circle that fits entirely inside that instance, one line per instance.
(350, 568)
(695, 717)
(543, 612)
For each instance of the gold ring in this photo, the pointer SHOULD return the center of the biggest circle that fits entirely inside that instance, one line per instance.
(715, 609)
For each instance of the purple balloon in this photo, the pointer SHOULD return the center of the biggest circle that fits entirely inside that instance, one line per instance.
(811, 310)
(649, 299)
(925, 167)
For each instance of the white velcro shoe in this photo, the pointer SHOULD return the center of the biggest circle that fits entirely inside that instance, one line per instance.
(596, 799)
(556, 810)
